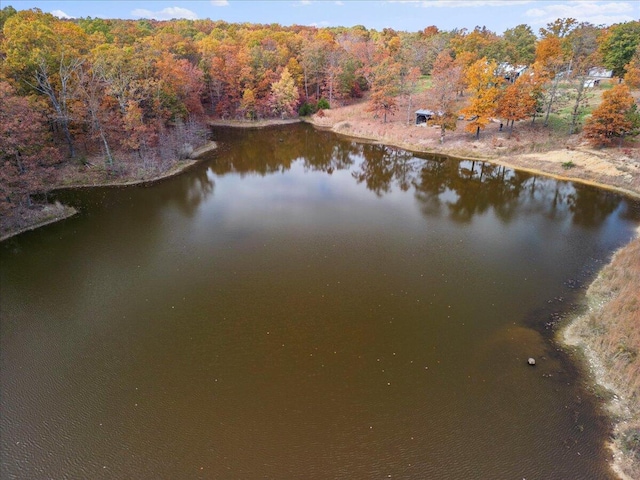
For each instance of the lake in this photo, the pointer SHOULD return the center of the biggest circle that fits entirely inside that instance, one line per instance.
(301, 305)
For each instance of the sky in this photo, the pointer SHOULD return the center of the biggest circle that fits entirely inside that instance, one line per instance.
(404, 15)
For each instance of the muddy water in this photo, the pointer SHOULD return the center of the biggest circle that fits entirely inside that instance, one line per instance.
(304, 306)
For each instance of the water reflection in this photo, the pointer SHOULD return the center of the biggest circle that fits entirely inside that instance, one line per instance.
(274, 150)
(460, 189)
(302, 305)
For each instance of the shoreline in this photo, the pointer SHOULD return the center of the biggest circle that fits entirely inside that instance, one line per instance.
(179, 167)
(579, 348)
(495, 159)
(585, 338)
(254, 123)
(64, 212)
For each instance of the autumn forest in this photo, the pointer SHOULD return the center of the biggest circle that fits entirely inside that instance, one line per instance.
(127, 96)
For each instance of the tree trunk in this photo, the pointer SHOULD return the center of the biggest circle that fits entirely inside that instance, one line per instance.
(580, 95)
(67, 136)
(44, 86)
(19, 163)
(554, 87)
(477, 133)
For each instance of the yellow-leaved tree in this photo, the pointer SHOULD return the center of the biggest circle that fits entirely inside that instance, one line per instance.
(484, 84)
(284, 95)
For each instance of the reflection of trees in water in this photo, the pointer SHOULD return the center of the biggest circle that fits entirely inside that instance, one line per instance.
(431, 184)
(590, 207)
(270, 150)
(461, 188)
(328, 154)
(197, 188)
(261, 151)
(381, 165)
(477, 187)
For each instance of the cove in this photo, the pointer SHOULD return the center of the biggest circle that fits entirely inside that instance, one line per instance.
(302, 305)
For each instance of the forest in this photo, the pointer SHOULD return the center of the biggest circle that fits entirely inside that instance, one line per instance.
(123, 97)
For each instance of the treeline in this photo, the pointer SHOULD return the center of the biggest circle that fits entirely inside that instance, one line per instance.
(134, 92)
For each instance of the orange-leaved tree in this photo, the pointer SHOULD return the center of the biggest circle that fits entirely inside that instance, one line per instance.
(613, 118)
(517, 101)
(550, 61)
(384, 87)
(632, 75)
(484, 84)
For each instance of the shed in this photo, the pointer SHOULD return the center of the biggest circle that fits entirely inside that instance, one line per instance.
(511, 72)
(600, 72)
(423, 116)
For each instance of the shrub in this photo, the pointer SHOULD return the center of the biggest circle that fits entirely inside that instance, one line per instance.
(631, 442)
(323, 104)
(306, 109)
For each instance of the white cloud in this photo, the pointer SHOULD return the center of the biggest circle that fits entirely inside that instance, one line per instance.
(60, 14)
(220, 3)
(165, 14)
(467, 3)
(584, 11)
(339, 3)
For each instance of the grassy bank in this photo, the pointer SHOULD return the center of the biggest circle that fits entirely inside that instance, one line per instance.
(608, 336)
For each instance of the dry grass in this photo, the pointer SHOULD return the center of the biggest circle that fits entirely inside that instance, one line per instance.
(610, 335)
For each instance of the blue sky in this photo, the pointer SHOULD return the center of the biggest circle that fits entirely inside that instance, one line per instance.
(407, 15)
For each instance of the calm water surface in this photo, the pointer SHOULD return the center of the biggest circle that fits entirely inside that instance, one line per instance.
(303, 306)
